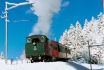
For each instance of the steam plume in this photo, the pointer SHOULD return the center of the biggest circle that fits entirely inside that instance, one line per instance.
(44, 9)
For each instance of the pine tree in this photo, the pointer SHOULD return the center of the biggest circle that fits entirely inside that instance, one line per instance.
(76, 39)
(64, 38)
(23, 56)
(2, 55)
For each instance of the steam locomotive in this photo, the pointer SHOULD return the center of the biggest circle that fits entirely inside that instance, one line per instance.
(40, 48)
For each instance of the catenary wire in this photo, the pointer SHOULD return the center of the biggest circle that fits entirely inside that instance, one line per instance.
(20, 13)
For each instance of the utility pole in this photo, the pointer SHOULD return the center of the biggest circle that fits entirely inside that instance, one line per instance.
(66, 52)
(14, 5)
(89, 55)
(103, 3)
(92, 46)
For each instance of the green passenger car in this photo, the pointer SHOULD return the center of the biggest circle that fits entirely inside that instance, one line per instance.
(35, 47)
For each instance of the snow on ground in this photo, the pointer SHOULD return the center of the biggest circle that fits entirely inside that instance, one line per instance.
(22, 65)
(94, 66)
(35, 66)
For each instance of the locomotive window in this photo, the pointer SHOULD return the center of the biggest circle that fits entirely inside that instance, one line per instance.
(58, 48)
(36, 40)
(28, 40)
(42, 39)
(63, 49)
(55, 47)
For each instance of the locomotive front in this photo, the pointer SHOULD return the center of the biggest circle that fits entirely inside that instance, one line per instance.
(35, 47)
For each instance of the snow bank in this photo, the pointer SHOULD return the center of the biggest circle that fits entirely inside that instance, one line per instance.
(45, 65)
(37, 66)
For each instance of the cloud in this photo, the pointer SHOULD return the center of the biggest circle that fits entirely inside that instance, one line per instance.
(65, 4)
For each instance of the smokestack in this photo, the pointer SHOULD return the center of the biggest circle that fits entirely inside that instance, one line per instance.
(45, 10)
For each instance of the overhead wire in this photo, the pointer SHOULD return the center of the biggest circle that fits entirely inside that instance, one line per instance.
(20, 13)
(24, 15)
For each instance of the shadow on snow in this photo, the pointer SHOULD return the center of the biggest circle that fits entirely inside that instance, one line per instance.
(98, 69)
(77, 66)
(80, 67)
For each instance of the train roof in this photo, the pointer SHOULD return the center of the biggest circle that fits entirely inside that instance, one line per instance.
(38, 35)
(58, 43)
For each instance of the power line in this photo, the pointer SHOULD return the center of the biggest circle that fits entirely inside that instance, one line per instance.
(20, 13)
(24, 15)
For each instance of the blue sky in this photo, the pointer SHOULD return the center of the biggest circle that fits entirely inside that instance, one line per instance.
(74, 10)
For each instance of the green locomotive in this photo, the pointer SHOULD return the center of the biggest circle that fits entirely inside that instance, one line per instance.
(36, 46)
(40, 48)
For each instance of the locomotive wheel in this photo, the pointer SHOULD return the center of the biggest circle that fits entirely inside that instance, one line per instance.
(43, 60)
(66, 60)
(53, 59)
(46, 60)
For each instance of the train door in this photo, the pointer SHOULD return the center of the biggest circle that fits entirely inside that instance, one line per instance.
(55, 50)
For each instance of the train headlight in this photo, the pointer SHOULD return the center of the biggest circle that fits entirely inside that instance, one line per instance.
(39, 57)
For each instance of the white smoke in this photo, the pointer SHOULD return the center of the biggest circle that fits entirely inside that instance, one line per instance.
(65, 4)
(44, 9)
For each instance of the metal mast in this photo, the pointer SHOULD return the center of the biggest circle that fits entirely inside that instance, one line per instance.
(14, 5)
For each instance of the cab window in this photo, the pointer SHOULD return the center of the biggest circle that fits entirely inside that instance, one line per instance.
(36, 40)
(28, 40)
(58, 48)
(54, 47)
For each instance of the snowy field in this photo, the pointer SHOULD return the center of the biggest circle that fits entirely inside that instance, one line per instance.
(47, 66)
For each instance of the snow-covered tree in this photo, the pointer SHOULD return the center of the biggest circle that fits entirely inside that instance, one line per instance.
(76, 38)
(2, 55)
(22, 55)
(64, 38)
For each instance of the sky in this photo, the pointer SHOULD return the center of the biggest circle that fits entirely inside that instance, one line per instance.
(69, 12)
